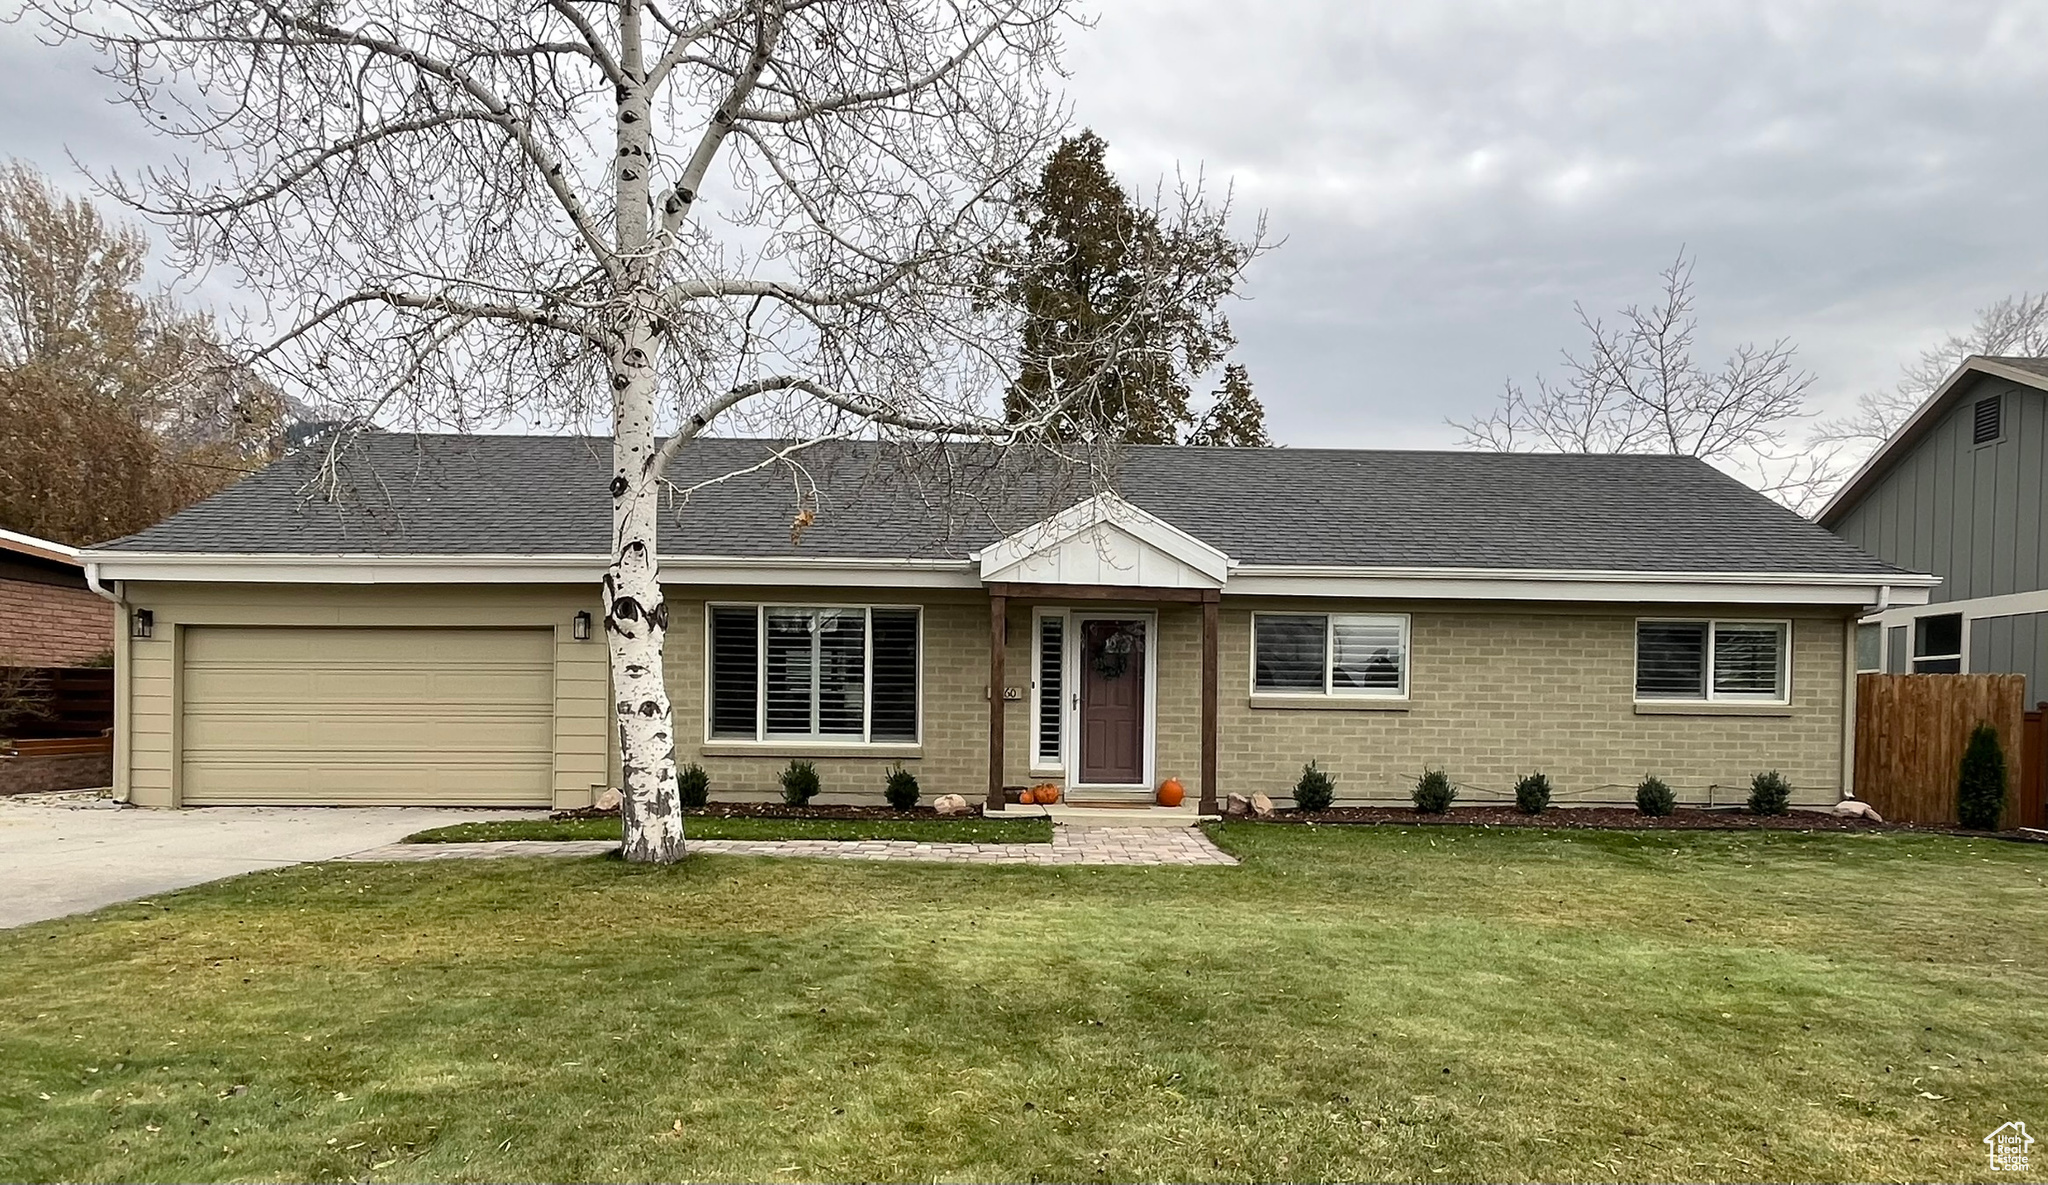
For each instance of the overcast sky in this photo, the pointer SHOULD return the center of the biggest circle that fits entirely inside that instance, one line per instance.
(1449, 176)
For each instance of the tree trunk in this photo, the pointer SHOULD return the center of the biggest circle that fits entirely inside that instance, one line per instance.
(636, 619)
(636, 613)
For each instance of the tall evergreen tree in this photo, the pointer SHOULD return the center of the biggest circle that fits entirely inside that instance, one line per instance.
(1236, 418)
(1088, 255)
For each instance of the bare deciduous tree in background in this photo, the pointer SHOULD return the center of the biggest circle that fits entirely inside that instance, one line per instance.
(1638, 389)
(117, 407)
(667, 214)
(2015, 326)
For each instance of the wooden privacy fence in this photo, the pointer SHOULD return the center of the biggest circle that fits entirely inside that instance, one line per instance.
(1910, 734)
(2033, 780)
(67, 701)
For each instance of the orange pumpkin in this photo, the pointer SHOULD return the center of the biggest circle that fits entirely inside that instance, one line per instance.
(1029, 797)
(1171, 792)
(1045, 794)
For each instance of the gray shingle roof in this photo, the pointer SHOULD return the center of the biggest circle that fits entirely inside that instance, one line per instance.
(2034, 365)
(540, 495)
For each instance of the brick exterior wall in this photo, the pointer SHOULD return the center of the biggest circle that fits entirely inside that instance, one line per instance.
(1494, 692)
(52, 625)
(1497, 692)
(37, 775)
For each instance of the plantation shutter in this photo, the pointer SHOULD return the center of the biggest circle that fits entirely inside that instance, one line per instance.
(1749, 660)
(842, 673)
(1366, 654)
(789, 671)
(895, 675)
(1290, 654)
(1051, 670)
(735, 672)
(1671, 660)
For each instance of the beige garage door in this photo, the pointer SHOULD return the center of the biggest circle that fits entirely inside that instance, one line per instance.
(364, 717)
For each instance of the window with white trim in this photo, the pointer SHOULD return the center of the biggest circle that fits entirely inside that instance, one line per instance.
(1050, 705)
(1330, 654)
(1869, 647)
(798, 673)
(1938, 644)
(1703, 661)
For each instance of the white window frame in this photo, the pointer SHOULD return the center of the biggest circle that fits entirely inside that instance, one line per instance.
(1399, 620)
(1856, 642)
(1057, 763)
(1962, 657)
(867, 707)
(1714, 624)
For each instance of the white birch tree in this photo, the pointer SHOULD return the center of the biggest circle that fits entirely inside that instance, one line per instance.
(669, 213)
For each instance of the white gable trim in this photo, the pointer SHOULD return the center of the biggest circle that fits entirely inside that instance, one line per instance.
(1105, 541)
(1922, 421)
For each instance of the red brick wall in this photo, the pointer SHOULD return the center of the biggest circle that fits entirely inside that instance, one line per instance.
(49, 625)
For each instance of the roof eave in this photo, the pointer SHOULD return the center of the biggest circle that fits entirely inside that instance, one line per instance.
(1916, 426)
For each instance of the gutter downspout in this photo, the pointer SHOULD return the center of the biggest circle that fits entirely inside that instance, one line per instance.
(121, 666)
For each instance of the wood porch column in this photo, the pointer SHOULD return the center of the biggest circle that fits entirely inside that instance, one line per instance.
(1210, 612)
(998, 622)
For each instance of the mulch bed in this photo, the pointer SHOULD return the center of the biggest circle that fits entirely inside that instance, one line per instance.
(777, 810)
(1611, 818)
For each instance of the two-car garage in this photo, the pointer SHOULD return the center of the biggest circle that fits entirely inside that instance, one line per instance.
(366, 716)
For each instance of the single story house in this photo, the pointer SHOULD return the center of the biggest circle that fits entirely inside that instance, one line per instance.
(1221, 616)
(48, 617)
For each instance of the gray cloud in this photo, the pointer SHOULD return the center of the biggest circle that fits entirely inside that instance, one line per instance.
(1450, 176)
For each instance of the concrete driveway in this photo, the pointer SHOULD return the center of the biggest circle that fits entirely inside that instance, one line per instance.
(59, 855)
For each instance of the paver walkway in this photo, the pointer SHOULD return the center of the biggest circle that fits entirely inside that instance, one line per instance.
(1070, 845)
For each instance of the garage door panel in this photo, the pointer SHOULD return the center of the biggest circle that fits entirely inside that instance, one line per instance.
(358, 715)
(357, 783)
(222, 735)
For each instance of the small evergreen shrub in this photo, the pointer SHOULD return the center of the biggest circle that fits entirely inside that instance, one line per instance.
(1769, 794)
(902, 789)
(1532, 794)
(1980, 786)
(799, 783)
(1654, 798)
(1315, 789)
(1434, 792)
(695, 785)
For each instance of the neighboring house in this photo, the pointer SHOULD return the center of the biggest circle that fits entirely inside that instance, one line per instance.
(1231, 615)
(1961, 490)
(48, 616)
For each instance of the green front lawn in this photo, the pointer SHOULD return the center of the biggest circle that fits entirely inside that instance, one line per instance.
(1352, 1002)
(959, 829)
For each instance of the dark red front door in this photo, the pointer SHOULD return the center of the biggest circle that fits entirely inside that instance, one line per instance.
(1113, 702)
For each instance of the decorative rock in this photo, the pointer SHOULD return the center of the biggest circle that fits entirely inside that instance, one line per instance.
(1237, 804)
(1262, 807)
(1856, 808)
(950, 804)
(609, 800)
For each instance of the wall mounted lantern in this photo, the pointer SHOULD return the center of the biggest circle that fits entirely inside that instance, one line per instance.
(579, 627)
(142, 624)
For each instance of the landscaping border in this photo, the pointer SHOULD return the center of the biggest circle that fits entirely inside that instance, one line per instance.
(1594, 818)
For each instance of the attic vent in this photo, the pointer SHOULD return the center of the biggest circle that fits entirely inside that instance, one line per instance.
(1987, 425)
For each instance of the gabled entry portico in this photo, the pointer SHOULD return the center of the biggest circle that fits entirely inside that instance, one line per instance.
(1095, 575)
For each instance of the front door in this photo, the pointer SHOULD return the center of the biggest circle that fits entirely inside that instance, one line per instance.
(1112, 708)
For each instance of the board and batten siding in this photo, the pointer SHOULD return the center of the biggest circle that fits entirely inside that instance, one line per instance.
(1977, 516)
(1972, 514)
(149, 766)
